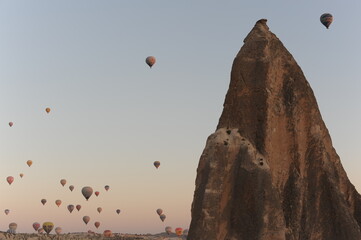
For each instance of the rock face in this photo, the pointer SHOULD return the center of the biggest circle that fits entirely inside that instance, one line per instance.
(269, 172)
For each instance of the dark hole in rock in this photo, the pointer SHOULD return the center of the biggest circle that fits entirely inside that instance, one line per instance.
(229, 132)
(225, 143)
(261, 163)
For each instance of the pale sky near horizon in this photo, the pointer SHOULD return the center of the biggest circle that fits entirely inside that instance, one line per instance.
(112, 116)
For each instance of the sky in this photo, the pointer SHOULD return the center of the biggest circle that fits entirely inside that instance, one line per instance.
(112, 116)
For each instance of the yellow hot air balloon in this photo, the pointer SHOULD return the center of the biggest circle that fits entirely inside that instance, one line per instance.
(48, 226)
(29, 162)
(47, 110)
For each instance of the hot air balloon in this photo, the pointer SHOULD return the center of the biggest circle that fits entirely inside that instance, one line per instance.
(179, 231)
(326, 19)
(99, 209)
(86, 219)
(118, 211)
(11, 124)
(58, 202)
(150, 61)
(159, 211)
(106, 187)
(70, 208)
(43, 201)
(156, 164)
(107, 233)
(162, 217)
(10, 180)
(97, 193)
(97, 224)
(7, 211)
(21, 175)
(41, 230)
(58, 230)
(71, 187)
(48, 226)
(13, 226)
(47, 110)
(29, 162)
(63, 182)
(168, 230)
(36, 226)
(78, 207)
(87, 192)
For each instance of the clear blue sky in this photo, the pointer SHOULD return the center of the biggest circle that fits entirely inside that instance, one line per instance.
(112, 116)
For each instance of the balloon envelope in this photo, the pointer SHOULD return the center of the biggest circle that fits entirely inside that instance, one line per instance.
(87, 192)
(107, 233)
(47, 110)
(106, 187)
(36, 226)
(63, 182)
(58, 202)
(99, 209)
(7, 211)
(118, 211)
(156, 164)
(43, 201)
(78, 207)
(326, 19)
(21, 175)
(58, 230)
(13, 226)
(48, 226)
(168, 230)
(10, 180)
(150, 61)
(70, 208)
(159, 211)
(179, 231)
(86, 219)
(11, 124)
(29, 162)
(71, 187)
(162, 217)
(97, 224)
(40, 230)
(97, 193)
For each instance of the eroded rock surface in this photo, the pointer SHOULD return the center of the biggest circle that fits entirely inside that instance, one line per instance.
(270, 172)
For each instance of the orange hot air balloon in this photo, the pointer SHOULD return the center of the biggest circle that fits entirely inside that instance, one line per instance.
(71, 187)
(29, 162)
(58, 202)
(99, 209)
(70, 207)
(150, 61)
(107, 233)
(43, 201)
(47, 110)
(97, 193)
(21, 175)
(107, 187)
(156, 164)
(36, 226)
(11, 124)
(87, 192)
(162, 217)
(86, 219)
(159, 211)
(179, 231)
(10, 180)
(78, 207)
(58, 230)
(97, 224)
(118, 211)
(63, 182)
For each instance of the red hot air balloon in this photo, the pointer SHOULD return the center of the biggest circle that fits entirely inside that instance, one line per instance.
(107, 233)
(179, 231)
(150, 61)
(97, 224)
(78, 207)
(10, 180)
(58, 202)
(11, 124)
(36, 226)
(97, 193)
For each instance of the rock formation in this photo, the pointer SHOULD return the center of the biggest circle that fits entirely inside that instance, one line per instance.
(270, 172)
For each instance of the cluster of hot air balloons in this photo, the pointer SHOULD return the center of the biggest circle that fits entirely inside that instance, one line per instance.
(161, 215)
(47, 110)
